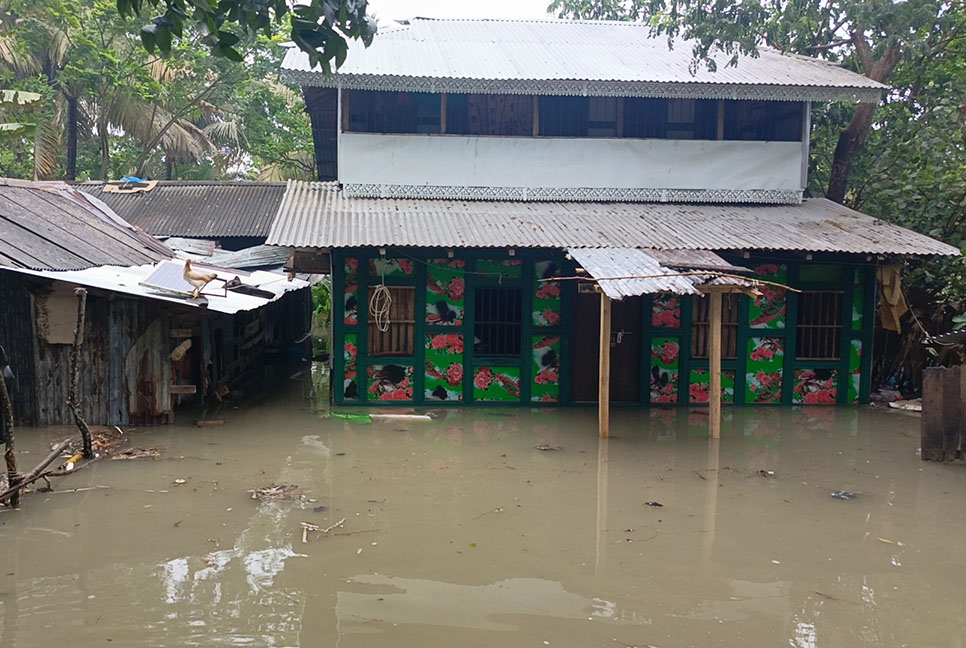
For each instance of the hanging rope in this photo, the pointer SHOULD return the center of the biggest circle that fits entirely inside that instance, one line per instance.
(379, 305)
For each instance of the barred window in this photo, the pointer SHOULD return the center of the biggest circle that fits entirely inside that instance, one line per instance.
(819, 333)
(701, 327)
(398, 339)
(498, 322)
(376, 111)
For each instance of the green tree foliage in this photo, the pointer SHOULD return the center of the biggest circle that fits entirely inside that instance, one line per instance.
(112, 109)
(871, 36)
(903, 161)
(318, 27)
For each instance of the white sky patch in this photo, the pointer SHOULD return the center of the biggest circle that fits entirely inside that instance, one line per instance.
(387, 10)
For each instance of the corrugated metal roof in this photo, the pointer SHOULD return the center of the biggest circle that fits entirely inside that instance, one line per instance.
(127, 280)
(197, 209)
(640, 272)
(50, 225)
(451, 55)
(318, 215)
(694, 260)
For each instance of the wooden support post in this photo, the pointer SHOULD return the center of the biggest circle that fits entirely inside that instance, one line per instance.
(931, 441)
(714, 366)
(603, 462)
(72, 400)
(603, 395)
(952, 412)
(6, 411)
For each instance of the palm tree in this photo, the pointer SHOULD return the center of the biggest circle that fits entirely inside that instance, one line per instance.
(126, 97)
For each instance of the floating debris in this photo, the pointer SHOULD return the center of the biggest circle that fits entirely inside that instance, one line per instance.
(320, 508)
(138, 453)
(179, 481)
(547, 446)
(842, 495)
(655, 504)
(275, 492)
(766, 473)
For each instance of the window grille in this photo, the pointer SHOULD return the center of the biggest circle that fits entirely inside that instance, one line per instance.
(819, 331)
(563, 116)
(701, 327)
(482, 114)
(376, 111)
(498, 322)
(645, 117)
(772, 121)
(398, 339)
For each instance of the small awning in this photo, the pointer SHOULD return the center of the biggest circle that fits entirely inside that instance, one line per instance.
(629, 272)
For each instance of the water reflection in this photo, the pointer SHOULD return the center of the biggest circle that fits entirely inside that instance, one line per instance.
(459, 531)
(482, 607)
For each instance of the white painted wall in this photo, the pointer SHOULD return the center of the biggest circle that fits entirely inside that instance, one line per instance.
(461, 161)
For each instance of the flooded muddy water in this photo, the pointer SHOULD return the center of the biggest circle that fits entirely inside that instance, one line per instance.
(460, 532)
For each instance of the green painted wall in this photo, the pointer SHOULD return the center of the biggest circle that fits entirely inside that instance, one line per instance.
(445, 368)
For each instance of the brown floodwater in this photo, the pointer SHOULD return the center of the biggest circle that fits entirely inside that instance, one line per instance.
(460, 532)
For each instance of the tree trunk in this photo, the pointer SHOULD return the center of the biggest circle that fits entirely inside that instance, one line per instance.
(105, 148)
(71, 138)
(853, 136)
(168, 168)
(851, 140)
(72, 400)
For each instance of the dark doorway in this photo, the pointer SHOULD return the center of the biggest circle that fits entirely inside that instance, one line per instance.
(625, 356)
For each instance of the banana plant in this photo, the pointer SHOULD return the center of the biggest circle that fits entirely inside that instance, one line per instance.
(17, 99)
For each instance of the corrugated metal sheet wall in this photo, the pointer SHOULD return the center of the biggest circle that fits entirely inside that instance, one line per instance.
(16, 336)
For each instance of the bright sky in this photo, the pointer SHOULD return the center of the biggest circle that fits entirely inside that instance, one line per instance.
(396, 9)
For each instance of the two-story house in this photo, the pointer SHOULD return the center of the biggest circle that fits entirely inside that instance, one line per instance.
(463, 163)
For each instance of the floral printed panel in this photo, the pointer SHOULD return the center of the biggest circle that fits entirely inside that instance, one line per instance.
(763, 377)
(858, 302)
(445, 291)
(351, 292)
(546, 296)
(500, 268)
(546, 369)
(665, 311)
(767, 311)
(444, 367)
(815, 386)
(382, 268)
(350, 368)
(499, 384)
(390, 382)
(855, 371)
(699, 387)
(665, 354)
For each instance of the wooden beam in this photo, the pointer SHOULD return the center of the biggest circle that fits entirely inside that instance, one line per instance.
(603, 395)
(536, 116)
(721, 119)
(442, 114)
(714, 366)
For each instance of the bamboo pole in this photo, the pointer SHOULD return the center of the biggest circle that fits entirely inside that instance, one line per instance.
(72, 401)
(714, 365)
(603, 460)
(603, 395)
(712, 475)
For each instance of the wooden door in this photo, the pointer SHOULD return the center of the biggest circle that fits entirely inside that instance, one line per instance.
(625, 358)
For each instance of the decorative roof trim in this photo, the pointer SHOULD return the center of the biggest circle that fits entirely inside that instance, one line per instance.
(573, 194)
(692, 90)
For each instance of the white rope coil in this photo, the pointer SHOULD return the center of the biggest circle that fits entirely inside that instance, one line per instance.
(379, 305)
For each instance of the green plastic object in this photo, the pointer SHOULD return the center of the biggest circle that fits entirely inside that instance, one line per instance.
(352, 418)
